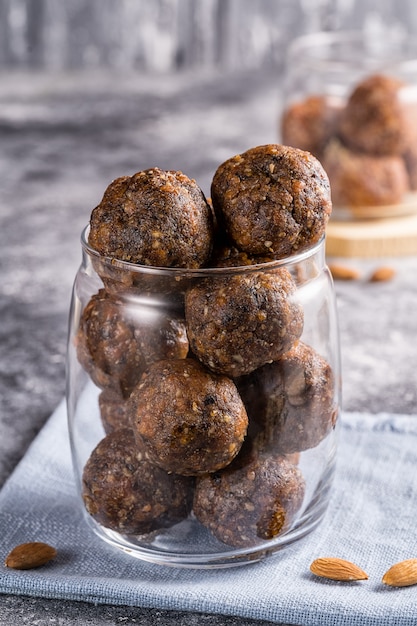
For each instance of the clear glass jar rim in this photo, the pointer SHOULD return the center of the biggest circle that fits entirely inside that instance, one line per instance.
(204, 271)
(306, 48)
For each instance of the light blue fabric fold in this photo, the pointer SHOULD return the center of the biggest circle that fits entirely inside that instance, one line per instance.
(371, 521)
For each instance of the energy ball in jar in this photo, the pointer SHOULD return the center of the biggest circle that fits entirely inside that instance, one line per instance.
(309, 124)
(239, 322)
(113, 413)
(374, 119)
(189, 421)
(246, 504)
(273, 200)
(290, 403)
(106, 345)
(115, 343)
(360, 179)
(155, 217)
(124, 492)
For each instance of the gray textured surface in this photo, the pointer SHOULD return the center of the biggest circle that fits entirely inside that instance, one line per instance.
(62, 141)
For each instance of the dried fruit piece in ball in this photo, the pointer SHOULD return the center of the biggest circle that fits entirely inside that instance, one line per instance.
(189, 420)
(238, 322)
(124, 492)
(273, 200)
(291, 403)
(155, 217)
(246, 504)
(116, 340)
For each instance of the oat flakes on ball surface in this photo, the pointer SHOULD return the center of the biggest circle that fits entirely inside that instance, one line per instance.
(239, 322)
(189, 420)
(273, 200)
(124, 492)
(155, 217)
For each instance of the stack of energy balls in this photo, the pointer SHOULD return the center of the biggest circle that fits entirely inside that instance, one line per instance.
(208, 397)
(367, 144)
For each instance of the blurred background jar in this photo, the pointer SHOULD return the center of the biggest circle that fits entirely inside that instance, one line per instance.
(350, 98)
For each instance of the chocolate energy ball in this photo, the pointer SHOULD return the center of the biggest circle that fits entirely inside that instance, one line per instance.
(238, 322)
(155, 217)
(189, 420)
(113, 412)
(360, 179)
(124, 492)
(309, 124)
(374, 119)
(273, 200)
(248, 504)
(291, 403)
(116, 341)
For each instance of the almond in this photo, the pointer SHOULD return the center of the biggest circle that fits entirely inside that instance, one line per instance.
(30, 555)
(402, 574)
(337, 569)
(343, 272)
(382, 273)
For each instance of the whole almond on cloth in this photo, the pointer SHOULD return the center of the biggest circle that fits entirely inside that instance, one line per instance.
(402, 574)
(337, 569)
(30, 555)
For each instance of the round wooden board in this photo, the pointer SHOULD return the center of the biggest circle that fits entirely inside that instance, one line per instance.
(395, 236)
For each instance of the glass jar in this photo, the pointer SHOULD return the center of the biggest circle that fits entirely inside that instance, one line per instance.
(350, 98)
(203, 405)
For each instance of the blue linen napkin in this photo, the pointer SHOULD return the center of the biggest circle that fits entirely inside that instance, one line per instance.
(371, 521)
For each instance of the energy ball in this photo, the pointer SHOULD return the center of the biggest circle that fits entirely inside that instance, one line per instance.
(238, 322)
(124, 492)
(155, 217)
(244, 505)
(188, 420)
(230, 256)
(113, 412)
(360, 179)
(374, 119)
(291, 403)
(309, 124)
(273, 200)
(116, 340)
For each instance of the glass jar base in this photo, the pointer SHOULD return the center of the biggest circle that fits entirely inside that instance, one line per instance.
(203, 552)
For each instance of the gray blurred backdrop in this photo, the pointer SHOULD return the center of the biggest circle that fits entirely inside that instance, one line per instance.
(172, 35)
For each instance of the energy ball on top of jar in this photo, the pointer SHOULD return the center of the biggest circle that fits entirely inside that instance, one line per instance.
(155, 217)
(124, 492)
(188, 420)
(115, 342)
(309, 124)
(273, 200)
(375, 120)
(239, 322)
(246, 504)
(291, 403)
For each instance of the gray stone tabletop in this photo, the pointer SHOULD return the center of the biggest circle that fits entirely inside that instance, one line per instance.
(62, 140)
